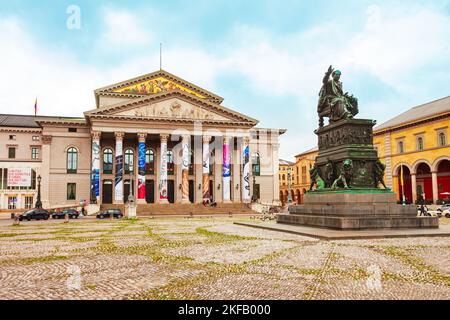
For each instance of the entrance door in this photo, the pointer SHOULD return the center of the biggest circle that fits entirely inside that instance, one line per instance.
(170, 191)
(126, 190)
(107, 192)
(150, 191)
(211, 188)
(191, 191)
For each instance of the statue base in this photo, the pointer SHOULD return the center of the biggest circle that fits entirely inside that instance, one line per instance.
(130, 210)
(355, 209)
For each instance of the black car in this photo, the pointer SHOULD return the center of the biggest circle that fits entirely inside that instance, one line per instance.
(35, 214)
(116, 213)
(72, 213)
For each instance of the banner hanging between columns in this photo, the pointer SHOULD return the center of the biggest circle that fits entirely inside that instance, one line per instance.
(118, 183)
(246, 173)
(205, 180)
(163, 171)
(226, 170)
(95, 174)
(141, 171)
(185, 170)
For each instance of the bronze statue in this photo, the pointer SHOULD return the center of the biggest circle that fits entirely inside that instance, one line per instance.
(315, 179)
(346, 175)
(329, 174)
(333, 102)
(378, 171)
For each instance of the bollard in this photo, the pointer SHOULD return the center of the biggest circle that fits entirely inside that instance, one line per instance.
(66, 218)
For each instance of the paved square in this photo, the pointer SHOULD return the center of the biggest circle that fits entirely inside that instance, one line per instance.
(207, 258)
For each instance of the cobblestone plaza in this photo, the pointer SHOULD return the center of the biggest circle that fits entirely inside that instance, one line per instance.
(208, 258)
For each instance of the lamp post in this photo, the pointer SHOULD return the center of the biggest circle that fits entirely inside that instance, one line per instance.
(38, 204)
(289, 199)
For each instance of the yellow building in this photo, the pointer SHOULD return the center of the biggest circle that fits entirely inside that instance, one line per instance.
(300, 180)
(416, 142)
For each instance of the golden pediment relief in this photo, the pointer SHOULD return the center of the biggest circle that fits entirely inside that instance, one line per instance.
(155, 86)
(173, 109)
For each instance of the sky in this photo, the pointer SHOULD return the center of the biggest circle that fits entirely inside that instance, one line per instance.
(266, 58)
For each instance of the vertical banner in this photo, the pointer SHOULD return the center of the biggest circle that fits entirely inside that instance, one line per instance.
(118, 183)
(163, 172)
(185, 170)
(226, 170)
(141, 171)
(246, 173)
(205, 180)
(95, 174)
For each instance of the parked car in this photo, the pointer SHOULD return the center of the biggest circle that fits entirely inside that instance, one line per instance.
(446, 213)
(444, 207)
(35, 214)
(116, 213)
(73, 214)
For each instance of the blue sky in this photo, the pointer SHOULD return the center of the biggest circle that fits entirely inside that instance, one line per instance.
(266, 58)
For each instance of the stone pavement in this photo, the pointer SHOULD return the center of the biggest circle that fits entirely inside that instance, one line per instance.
(206, 258)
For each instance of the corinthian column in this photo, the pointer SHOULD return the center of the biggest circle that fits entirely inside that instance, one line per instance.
(163, 198)
(205, 179)
(185, 169)
(95, 173)
(226, 170)
(141, 168)
(246, 197)
(118, 183)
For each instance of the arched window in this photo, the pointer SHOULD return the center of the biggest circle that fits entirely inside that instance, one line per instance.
(442, 139)
(419, 143)
(170, 165)
(256, 164)
(72, 160)
(150, 161)
(108, 161)
(129, 161)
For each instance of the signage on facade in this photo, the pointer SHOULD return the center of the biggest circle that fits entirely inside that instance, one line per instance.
(19, 177)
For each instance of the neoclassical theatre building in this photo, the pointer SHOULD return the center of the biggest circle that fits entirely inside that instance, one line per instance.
(157, 136)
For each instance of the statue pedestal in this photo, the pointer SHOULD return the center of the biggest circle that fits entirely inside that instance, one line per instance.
(130, 210)
(92, 209)
(355, 209)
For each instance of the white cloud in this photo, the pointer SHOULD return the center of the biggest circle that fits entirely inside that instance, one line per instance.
(125, 29)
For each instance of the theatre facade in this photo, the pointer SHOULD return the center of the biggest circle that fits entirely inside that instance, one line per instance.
(157, 137)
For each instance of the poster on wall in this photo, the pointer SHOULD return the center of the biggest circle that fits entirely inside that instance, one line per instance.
(19, 177)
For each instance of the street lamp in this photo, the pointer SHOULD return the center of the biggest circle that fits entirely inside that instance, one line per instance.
(289, 199)
(38, 199)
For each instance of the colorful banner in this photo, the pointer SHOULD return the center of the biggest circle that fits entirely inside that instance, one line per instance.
(118, 183)
(163, 173)
(95, 174)
(246, 174)
(226, 171)
(185, 170)
(141, 171)
(19, 177)
(205, 180)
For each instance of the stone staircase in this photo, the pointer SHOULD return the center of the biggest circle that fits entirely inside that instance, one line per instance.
(185, 209)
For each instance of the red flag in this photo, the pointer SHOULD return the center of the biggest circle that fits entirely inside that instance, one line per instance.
(35, 107)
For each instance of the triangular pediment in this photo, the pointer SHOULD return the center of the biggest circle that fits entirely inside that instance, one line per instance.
(177, 105)
(154, 83)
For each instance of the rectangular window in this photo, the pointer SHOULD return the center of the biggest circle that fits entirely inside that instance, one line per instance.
(12, 203)
(12, 137)
(72, 129)
(28, 202)
(11, 153)
(36, 138)
(71, 191)
(34, 153)
(400, 147)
